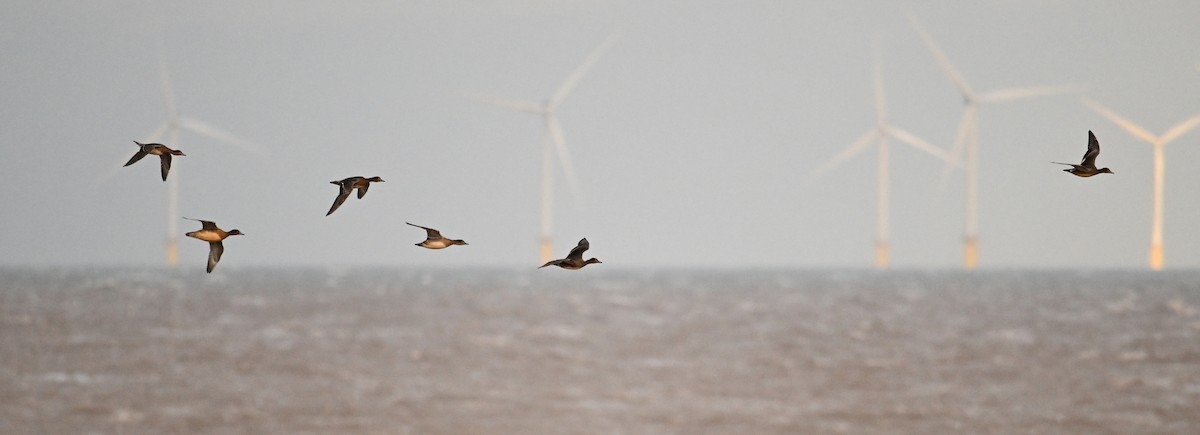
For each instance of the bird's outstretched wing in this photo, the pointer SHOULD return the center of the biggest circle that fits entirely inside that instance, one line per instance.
(430, 233)
(1093, 150)
(339, 200)
(137, 156)
(215, 249)
(207, 225)
(166, 165)
(578, 250)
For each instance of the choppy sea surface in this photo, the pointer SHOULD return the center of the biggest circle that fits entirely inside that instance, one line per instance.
(601, 350)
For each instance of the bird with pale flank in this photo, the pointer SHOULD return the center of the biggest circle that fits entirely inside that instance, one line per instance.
(213, 235)
(434, 239)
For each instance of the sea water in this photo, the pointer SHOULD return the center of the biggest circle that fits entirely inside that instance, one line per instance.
(600, 350)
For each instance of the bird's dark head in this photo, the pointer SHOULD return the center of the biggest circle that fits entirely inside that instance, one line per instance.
(235, 232)
(1105, 171)
(593, 260)
(375, 179)
(458, 242)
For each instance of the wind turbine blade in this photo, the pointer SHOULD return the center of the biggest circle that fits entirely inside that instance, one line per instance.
(158, 134)
(1129, 126)
(153, 137)
(508, 103)
(221, 135)
(951, 72)
(850, 151)
(1180, 129)
(880, 97)
(955, 154)
(922, 145)
(1010, 94)
(564, 158)
(573, 79)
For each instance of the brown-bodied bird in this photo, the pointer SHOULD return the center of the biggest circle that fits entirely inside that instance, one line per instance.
(1087, 167)
(434, 239)
(159, 150)
(213, 235)
(349, 184)
(574, 260)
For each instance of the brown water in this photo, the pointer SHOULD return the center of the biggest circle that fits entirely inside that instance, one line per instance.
(598, 351)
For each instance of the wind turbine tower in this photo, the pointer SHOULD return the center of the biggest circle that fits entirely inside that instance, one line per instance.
(879, 135)
(1159, 143)
(553, 143)
(968, 135)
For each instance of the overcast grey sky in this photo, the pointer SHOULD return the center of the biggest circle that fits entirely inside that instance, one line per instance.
(692, 136)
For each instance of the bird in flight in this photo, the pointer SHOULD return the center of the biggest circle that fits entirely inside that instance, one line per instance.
(160, 150)
(349, 184)
(213, 235)
(1087, 167)
(434, 239)
(574, 260)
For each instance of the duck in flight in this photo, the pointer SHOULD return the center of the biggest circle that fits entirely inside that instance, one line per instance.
(349, 184)
(434, 239)
(213, 235)
(159, 150)
(1087, 167)
(574, 260)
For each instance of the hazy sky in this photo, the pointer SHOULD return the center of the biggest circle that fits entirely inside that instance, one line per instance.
(692, 137)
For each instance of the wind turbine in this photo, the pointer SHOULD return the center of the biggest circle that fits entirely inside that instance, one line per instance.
(1159, 142)
(553, 143)
(170, 129)
(879, 135)
(968, 134)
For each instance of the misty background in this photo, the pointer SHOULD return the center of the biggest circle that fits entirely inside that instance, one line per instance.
(692, 137)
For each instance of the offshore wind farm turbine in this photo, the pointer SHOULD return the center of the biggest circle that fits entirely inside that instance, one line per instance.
(968, 134)
(553, 143)
(1159, 142)
(879, 135)
(169, 130)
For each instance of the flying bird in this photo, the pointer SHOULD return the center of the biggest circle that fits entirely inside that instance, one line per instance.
(159, 150)
(213, 235)
(349, 184)
(434, 239)
(574, 260)
(1087, 167)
